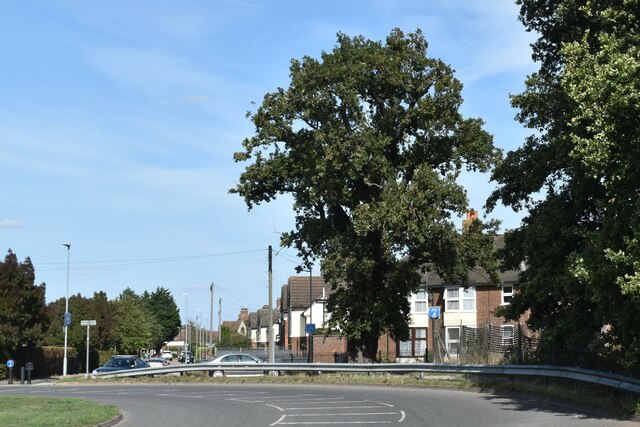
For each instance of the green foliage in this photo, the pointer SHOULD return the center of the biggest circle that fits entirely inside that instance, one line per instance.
(22, 305)
(161, 305)
(134, 326)
(370, 143)
(230, 339)
(581, 236)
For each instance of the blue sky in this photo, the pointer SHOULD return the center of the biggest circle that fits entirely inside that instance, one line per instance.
(118, 122)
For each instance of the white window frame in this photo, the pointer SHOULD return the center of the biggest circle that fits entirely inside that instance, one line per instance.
(463, 296)
(508, 295)
(418, 300)
(452, 345)
(507, 338)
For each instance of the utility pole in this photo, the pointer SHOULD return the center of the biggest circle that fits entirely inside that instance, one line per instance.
(310, 346)
(219, 319)
(210, 349)
(67, 315)
(271, 343)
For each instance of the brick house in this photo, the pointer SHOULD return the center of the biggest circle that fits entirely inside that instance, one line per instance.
(297, 296)
(304, 302)
(472, 308)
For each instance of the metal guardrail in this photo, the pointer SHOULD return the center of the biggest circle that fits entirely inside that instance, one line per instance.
(577, 374)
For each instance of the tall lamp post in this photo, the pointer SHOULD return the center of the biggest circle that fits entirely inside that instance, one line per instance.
(67, 315)
(310, 326)
(186, 325)
(311, 314)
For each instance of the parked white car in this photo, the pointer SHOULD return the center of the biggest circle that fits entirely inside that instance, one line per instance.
(166, 354)
(250, 363)
(158, 362)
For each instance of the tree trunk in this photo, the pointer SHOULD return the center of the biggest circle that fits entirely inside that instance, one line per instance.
(364, 350)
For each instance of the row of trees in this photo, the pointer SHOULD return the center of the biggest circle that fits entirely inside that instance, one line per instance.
(125, 324)
(579, 177)
(370, 143)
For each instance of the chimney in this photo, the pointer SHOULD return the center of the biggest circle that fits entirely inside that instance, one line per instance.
(471, 216)
(278, 302)
(243, 312)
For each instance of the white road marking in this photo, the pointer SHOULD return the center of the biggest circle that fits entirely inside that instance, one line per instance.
(382, 403)
(277, 407)
(403, 416)
(345, 414)
(277, 422)
(335, 422)
(334, 407)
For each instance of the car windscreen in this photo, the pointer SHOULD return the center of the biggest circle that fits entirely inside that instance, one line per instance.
(117, 363)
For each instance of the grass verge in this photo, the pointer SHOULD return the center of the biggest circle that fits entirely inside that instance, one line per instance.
(35, 411)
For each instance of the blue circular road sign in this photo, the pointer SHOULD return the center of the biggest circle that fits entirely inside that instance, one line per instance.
(10, 363)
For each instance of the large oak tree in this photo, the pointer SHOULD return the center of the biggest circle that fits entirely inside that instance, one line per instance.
(370, 143)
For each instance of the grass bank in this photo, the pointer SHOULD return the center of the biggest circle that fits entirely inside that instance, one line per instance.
(35, 411)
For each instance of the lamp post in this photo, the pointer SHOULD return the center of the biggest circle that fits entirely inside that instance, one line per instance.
(198, 344)
(186, 325)
(210, 348)
(308, 329)
(311, 313)
(67, 315)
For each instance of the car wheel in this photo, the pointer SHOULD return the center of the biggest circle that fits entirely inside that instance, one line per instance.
(218, 374)
(274, 373)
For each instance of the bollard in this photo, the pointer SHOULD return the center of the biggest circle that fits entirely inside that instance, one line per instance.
(21, 374)
(29, 368)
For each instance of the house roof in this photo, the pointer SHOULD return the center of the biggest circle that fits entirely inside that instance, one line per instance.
(477, 276)
(298, 293)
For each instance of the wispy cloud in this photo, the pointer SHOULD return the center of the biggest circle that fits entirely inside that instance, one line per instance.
(10, 223)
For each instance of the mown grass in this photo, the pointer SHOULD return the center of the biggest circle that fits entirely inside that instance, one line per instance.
(33, 411)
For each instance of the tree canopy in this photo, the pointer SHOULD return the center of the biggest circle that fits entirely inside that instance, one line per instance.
(22, 305)
(370, 143)
(578, 176)
(161, 305)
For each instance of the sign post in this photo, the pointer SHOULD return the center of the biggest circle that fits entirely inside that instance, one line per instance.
(88, 324)
(10, 364)
(310, 329)
(434, 313)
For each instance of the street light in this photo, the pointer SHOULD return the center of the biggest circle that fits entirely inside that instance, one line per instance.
(67, 315)
(308, 330)
(186, 325)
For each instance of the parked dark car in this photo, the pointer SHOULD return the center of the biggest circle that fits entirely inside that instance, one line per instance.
(121, 363)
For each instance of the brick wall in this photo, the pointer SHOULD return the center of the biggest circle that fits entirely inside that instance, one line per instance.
(387, 348)
(325, 346)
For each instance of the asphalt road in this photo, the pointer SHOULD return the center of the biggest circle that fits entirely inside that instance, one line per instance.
(249, 405)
